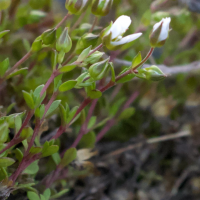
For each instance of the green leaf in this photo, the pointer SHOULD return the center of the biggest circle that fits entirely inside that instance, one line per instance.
(94, 94)
(26, 185)
(50, 150)
(5, 162)
(66, 68)
(56, 158)
(4, 131)
(2, 146)
(25, 144)
(36, 95)
(92, 122)
(68, 85)
(54, 56)
(10, 107)
(127, 113)
(127, 78)
(84, 54)
(112, 71)
(57, 82)
(33, 196)
(39, 112)
(42, 197)
(53, 107)
(18, 123)
(3, 173)
(27, 45)
(63, 114)
(59, 194)
(72, 113)
(47, 193)
(11, 119)
(2, 33)
(18, 154)
(4, 66)
(20, 71)
(137, 60)
(29, 100)
(26, 133)
(115, 107)
(32, 168)
(88, 140)
(68, 157)
(35, 150)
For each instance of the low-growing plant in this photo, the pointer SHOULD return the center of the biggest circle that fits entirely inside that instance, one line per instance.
(67, 49)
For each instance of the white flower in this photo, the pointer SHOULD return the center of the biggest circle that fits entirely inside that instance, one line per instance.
(118, 28)
(160, 32)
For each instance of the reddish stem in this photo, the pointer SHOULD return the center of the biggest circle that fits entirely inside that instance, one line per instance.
(97, 48)
(84, 129)
(16, 140)
(63, 20)
(107, 127)
(13, 142)
(112, 122)
(53, 97)
(22, 60)
(109, 85)
(36, 130)
(22, 166)
(51, 79)
(27, 119)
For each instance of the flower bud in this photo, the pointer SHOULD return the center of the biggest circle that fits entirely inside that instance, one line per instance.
(93, 58)
(64, 42)
(76, 6)
(152, 73)
(99, 70)
(4, 4)
(160, 32)
(37, 44)
(49, 36)
(101, 7)
(85, 41)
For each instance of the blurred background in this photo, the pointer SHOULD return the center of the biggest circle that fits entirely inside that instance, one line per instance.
(130, 165)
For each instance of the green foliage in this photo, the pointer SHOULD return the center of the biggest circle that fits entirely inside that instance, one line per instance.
(49, 149)
(2, 33)
(68, 85)
(53, 107)
(5, 162)
(32, 168)
(46, 53)
(4, 65)
(68, 157)
(88, 140)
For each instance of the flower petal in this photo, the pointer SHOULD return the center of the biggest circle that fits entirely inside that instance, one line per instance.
(120, 26)
(165, 29)
(126, 39)
(157, 25)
